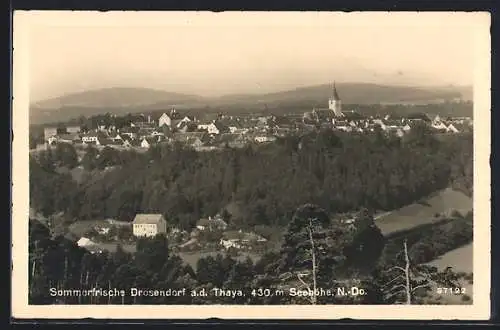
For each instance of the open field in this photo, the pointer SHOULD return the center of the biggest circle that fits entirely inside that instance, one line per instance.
(424, 212)
(192, 258)
(79, 228)
(461, 260)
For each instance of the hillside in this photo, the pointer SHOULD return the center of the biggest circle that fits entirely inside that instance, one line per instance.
(116, 97)
(113, 100)
(424, 212)
(129, 100)
(350, 93)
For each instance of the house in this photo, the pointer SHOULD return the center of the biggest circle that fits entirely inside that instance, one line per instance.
(418, 117)
(406, 128)
(214, 128)
(131, 143)
(215, 223)
(147, 142)
(68, 138)
(439, 126)
(84, 242)
(164, 120)
(380, 123)
(263, 139)
(185, 120)
(52, 140)
(73, 129)
(149, 225)
(49, 132)
(90, 138)
(231, 239)
(452, 129)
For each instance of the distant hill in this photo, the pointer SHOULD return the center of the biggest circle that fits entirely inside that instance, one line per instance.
(350, 93)
(129, 100)
(116, 97)
(116, 100)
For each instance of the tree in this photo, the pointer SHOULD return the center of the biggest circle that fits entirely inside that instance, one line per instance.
(65, 155)
(367, 244)
(152, 253)
(408, 283)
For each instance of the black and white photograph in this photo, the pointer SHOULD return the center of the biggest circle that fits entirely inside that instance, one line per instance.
(321, 163)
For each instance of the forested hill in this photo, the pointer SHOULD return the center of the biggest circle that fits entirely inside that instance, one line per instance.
(133, 100)
(264, 185)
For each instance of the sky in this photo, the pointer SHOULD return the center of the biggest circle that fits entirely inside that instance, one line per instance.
(214, 54)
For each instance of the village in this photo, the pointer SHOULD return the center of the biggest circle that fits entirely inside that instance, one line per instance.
(213, 132)
(216, 131)
(211, 234)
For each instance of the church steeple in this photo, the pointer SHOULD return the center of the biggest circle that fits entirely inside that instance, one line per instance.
(334, 102)
(335, 95)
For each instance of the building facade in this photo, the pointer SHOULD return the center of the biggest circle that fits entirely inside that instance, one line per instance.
(334, 102)
(149, 225)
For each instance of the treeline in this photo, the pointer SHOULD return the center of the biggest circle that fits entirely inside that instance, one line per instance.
(317, 252)
(262, 185)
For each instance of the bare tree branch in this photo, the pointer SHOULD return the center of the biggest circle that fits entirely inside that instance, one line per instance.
(402, 286)
(394, 268)
(419, 286)
(303, 283)
(393, 280)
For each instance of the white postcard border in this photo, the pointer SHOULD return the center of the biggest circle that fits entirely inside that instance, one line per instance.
(480, 310)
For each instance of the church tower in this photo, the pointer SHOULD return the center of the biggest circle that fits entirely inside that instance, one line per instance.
(334, 103)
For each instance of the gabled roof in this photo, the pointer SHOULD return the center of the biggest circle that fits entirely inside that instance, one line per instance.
(149, 139)
(69, 136)
(323, 114)
(419, 115)
(352, 115)
(143, 218)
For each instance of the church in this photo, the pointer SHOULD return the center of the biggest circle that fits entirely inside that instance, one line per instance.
(334, 110)
(333, 113)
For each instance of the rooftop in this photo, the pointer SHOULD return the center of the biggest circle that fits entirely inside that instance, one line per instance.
(142, 218)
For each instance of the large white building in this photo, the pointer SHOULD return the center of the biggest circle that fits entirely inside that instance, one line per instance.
(149, 225)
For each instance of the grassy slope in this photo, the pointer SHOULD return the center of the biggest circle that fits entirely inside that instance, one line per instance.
(424, 212)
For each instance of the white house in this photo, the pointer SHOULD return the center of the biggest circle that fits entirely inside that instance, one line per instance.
(230, 243)
(380, 123)
(149, 225)
(145, 143)
(184, 121)
(165, 120)
(211, 128)
(89, 138)
(452, 129)
(84, 242)
(262, 139)
(439, 126)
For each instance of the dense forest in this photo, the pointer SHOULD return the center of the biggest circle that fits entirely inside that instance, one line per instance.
(255, 185)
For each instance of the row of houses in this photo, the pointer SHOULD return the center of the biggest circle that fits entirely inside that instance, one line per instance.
(236, 131)
(150, 225)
